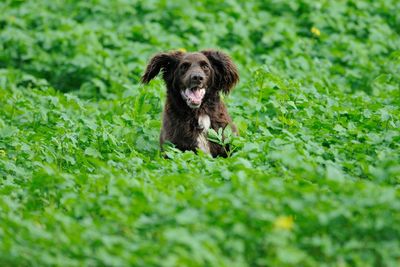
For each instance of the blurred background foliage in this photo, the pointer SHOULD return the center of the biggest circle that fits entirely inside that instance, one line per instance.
(99, 46)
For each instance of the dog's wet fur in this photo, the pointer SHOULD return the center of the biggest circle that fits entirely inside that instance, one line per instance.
(194, 82)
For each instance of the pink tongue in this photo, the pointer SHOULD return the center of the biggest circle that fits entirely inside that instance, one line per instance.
(196, 95)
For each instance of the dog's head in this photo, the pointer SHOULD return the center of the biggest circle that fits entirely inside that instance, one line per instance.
(194, 75)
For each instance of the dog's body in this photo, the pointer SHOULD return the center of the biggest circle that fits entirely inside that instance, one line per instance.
(188, 130)
(194, 82)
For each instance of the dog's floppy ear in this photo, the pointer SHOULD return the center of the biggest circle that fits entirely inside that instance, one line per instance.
(226, 73)
(163, 62)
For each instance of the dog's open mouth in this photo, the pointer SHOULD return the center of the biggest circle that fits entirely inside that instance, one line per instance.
(193, 96)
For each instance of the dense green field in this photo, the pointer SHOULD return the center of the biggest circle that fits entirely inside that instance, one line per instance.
(314, 179)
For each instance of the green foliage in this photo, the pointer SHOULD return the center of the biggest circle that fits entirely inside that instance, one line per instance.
(315, 173)
(223, 137)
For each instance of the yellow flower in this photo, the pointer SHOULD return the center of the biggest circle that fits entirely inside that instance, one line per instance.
(2, 153)
(284, 222)
(315, 31)
(183, 50)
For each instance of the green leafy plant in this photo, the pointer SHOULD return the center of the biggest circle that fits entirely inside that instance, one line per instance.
(314, 176)
(223, 137)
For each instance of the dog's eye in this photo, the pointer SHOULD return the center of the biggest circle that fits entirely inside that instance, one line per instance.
(205, 67)
(185, 66)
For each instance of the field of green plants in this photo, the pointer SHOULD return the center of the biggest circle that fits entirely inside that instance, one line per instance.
(314, 178)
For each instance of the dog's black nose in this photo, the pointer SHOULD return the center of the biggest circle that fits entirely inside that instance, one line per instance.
(197, 77)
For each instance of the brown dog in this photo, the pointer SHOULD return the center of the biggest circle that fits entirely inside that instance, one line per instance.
(194, 82)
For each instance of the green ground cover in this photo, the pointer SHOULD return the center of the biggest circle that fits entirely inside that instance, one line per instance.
(314, 179)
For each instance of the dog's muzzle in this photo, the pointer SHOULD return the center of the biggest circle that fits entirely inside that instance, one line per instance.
(193, 96)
